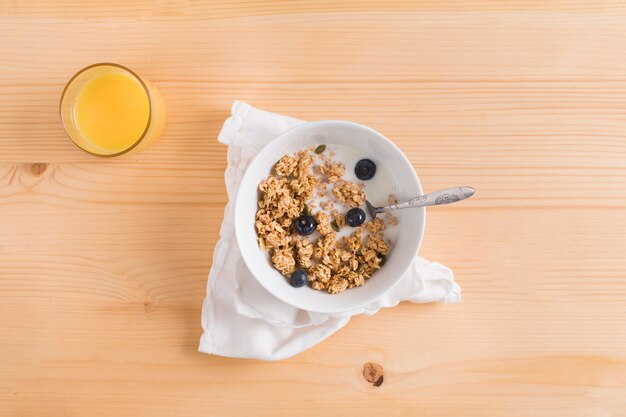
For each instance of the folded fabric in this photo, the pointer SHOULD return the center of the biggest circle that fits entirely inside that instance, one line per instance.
(239, 317)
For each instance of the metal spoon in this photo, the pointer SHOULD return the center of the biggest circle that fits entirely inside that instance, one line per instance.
(447, 196)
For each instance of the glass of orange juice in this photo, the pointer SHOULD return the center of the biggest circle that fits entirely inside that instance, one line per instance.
(109, 110)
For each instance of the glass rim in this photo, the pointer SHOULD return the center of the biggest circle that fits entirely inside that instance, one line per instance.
(135, 76)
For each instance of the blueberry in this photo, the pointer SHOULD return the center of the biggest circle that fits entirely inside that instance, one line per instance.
(299, 278)
(355, 217)
(305, 224)
(365, 169)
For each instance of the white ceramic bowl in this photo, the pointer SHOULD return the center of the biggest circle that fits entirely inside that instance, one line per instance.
(411, 222)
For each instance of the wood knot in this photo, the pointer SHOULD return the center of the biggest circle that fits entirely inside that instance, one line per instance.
(38, 169)
(150, 305)
(373, 373)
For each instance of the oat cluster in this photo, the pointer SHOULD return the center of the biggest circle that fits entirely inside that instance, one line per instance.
(349, 193)
(332, 264)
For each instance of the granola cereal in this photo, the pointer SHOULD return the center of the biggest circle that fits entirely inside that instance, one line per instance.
(377, 244)
(340, 221)
(391, 219)
(333, 171)
(353, 242)
(323, 223)
(333, 261)
(376, 226)
(304, 251)
(327, 205)
(286, 166)
(319, 276)
(349, 193)
(337, 284)
(283, 260)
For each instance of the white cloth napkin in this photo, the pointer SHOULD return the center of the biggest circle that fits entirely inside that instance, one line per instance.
(239, 317)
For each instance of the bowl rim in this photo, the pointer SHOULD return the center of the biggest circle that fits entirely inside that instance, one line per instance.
(238, 225)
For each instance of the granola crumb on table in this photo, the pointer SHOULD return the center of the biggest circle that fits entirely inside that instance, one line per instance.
(332, 265)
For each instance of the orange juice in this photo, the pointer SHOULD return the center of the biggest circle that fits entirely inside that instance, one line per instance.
(108, 110)
(112, 111)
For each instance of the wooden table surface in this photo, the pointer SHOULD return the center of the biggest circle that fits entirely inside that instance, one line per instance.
(103, 263)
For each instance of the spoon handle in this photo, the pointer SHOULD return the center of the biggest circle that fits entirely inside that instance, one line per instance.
(447, 196)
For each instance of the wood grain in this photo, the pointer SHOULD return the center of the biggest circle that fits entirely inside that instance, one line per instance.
(103, 263)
